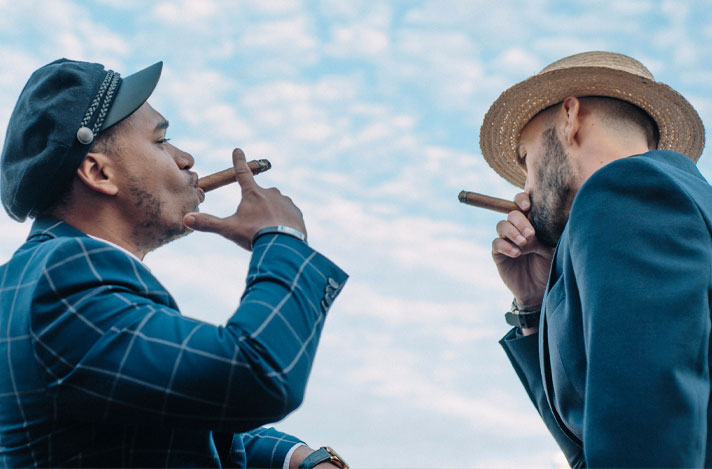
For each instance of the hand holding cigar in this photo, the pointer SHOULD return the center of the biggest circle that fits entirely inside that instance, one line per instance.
(257, 207)
(227, 176)
(485, 201)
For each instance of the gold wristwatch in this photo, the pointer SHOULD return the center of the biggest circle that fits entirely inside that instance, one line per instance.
(323, 454)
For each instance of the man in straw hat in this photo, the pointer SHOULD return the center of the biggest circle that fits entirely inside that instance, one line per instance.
(609, 259)
(97, 366)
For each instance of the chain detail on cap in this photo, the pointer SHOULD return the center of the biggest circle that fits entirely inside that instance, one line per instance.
(103, 98)
(107, 101)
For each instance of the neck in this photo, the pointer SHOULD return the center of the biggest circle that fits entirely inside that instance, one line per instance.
(103, 222)
(602, 148)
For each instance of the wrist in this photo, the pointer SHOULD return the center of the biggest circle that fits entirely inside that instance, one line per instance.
(279, 229)
(298, 455)
(525, 318)
(528, 304)
(322, 456)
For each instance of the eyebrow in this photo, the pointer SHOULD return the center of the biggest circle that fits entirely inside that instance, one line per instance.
(162, 125)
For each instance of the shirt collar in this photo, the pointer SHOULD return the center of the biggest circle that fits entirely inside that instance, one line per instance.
(119, 248)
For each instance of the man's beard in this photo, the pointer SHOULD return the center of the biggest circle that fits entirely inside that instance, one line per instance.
(551, 201)
(151, 231)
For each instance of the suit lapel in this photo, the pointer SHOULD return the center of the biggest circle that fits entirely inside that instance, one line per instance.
(544, 356)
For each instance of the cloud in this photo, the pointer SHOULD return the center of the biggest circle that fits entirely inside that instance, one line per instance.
(17, 68)
(293, 33)
(206, 273)
(392, 372)
(12, 235)
(364, 36)
(185, 13)
(272, 7)
(633, 7)
(518, 60)
(370, 114)
(298, 112)
(435, 314)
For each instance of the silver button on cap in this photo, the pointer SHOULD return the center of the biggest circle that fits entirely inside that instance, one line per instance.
(85, 135)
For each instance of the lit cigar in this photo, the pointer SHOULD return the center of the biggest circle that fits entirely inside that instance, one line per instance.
(227, 176)
(485, 201)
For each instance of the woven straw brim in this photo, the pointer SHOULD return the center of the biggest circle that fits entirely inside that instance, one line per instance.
(679, 125)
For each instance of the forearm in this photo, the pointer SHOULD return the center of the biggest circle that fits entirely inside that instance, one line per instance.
(142, 360)
(270, 448)
(523, 354)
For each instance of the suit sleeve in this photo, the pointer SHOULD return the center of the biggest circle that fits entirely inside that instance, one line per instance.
(115, 351)
(267, 447)
(262, 447)
(523, 353)
(641, 256)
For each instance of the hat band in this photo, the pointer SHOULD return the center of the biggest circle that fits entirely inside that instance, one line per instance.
(101, 102)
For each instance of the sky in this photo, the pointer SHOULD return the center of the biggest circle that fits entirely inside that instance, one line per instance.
(370, 114)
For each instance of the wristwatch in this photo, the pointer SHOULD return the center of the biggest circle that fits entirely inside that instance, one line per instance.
(323, 454)
(281, 229)
(523, 318)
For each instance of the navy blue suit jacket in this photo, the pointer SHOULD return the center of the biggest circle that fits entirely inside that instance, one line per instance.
(620, 367)
(98, 368)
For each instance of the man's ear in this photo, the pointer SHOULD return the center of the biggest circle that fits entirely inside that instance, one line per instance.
(572, 115)
(97, 172)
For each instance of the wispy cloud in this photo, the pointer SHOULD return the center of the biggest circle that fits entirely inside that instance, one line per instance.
(370, 114)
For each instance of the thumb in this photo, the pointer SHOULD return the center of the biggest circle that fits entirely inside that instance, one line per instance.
(204, 222)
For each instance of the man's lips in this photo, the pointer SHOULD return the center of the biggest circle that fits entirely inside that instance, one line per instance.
(201, 192)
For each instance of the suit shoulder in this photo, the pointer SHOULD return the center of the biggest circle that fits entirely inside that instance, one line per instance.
(68, 251)
(70, 262)
(635, 171)
(637, 184)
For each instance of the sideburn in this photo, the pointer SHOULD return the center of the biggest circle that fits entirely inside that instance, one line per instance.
(551, 201)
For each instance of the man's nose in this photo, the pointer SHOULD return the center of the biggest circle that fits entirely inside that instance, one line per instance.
(183, 160)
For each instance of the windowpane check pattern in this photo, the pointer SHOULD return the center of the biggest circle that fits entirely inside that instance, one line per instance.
(98, 367)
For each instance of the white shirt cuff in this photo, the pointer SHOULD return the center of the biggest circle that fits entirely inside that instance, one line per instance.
(289, 455)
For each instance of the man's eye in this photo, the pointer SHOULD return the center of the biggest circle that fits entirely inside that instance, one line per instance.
(522, 160)
(163, 141)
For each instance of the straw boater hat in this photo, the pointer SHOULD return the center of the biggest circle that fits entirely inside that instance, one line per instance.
(587, 74)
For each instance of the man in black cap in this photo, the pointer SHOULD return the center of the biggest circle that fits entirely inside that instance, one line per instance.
(97, 366)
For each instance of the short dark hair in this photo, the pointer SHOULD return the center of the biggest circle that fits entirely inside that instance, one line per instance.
(618, 110)
(615, 111)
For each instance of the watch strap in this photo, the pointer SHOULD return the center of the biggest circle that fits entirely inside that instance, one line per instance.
(323, 454)
(523, 318)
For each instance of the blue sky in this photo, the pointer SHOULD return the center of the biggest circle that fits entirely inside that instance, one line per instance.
(370, 114)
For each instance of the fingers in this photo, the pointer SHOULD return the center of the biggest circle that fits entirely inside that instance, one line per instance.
(204, 222)
(244, 176)
(503, 247)
(523, 201)
(516, 228)
(516, 234)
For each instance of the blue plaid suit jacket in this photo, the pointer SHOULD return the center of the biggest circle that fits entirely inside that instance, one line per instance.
(99, 368)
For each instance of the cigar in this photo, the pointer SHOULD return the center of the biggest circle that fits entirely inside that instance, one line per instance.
(227, 176)
(485, 201)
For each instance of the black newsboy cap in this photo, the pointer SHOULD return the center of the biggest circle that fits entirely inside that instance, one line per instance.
(62, 108)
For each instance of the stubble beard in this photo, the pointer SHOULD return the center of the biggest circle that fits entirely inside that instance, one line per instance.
(551, 201)
(152, 230)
